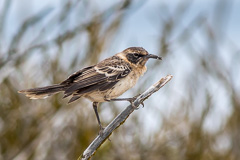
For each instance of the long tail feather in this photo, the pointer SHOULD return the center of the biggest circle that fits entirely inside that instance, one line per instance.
(43, 92)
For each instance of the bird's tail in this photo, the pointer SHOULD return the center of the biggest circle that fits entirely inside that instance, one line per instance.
(43, 92)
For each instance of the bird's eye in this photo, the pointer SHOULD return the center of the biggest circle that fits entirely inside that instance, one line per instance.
(136, 55)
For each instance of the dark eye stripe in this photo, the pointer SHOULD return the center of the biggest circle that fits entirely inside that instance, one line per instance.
(134, 58)
(138, 55)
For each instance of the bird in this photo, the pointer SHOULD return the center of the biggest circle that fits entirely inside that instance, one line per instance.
(102, 82)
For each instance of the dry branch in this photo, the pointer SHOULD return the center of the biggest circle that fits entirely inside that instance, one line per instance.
(120, 119)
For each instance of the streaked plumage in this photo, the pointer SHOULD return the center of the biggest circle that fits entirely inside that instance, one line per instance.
(102, 82)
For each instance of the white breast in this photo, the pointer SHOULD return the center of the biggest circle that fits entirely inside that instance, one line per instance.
(125, 84)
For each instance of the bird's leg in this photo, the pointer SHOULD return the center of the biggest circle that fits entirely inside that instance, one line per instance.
(131, 100)
(95, 105)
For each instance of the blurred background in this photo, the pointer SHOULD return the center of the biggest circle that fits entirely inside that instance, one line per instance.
(195, 116)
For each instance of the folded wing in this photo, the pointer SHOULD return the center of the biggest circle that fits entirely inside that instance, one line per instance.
(101, 77)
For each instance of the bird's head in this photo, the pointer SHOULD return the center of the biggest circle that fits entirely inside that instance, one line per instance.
(137, 56)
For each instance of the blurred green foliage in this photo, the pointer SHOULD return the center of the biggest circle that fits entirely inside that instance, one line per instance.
(45, 51)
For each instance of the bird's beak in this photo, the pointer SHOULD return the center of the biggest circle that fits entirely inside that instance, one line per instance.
(153, 56)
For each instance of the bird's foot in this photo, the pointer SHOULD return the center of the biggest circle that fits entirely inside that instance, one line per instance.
(100, 133)
(131, 100)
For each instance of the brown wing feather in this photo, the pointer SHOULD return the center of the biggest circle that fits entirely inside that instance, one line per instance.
(78, 74)
(101, 77)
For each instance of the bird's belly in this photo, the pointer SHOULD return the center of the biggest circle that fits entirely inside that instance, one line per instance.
(121, 87)
(96, 96)
(117, 90)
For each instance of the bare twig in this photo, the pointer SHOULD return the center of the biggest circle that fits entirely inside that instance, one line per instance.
(120, 119)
